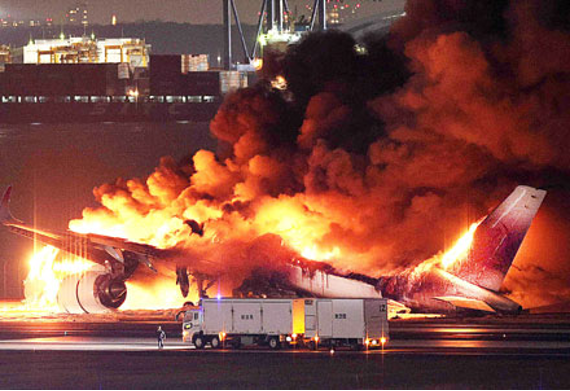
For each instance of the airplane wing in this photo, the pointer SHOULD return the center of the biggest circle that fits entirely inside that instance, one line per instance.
(5, 215)
(120, 257)
(97, 248)
(466, 303)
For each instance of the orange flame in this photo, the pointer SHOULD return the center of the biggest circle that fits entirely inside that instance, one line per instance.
(45, 276)
(456, 253)
(460, 248)
(161, 294)
(48, 269)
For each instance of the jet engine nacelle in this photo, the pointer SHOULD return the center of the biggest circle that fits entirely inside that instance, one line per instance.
(91, 292)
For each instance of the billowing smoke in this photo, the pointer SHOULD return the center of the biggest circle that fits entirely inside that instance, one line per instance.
(376, 157)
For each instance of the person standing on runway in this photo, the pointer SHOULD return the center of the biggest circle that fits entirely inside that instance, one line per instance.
(161, 336)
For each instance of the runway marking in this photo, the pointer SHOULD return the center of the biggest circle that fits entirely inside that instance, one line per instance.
(80, 343)
(395, 347)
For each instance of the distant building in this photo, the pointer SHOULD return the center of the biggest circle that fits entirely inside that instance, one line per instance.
(342, 11)
(77, 15)
(5, 55)
(339, 11)
(10, 22)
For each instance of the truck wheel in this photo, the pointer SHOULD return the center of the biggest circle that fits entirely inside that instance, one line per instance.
(236, 343)
(274, 343)
(199, 342)
(215, 342)
(312, 345)
(357, 346)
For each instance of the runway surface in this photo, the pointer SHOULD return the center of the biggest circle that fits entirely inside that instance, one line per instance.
(426, 336)
(445, 347)
(262, 369)
(420, 354)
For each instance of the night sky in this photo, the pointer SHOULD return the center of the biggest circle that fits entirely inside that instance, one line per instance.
(192, 11)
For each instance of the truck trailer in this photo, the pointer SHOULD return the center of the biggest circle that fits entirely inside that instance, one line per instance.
(311, 322)
(358, 323)
(239, 322)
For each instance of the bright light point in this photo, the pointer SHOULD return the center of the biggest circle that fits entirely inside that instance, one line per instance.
(279, 83)
(134, 93)
(258, 63)
(219, 296)
(383, 340)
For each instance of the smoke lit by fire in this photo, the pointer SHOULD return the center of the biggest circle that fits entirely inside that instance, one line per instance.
(370, 159)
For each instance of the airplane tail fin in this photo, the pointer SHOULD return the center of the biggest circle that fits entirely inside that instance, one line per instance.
(5, 215)
(498, 239)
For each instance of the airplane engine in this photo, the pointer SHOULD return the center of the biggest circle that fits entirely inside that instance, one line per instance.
(91, 292)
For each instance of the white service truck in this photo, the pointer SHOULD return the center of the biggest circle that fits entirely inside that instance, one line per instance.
(358, 323)
(239, 322)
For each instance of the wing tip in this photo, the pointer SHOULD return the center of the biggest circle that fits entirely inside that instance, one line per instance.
(6, 197)
(5, 214)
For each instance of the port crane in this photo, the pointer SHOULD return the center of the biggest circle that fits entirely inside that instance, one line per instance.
(273, 25)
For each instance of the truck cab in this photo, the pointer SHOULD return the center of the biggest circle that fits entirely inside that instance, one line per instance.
(191, 324)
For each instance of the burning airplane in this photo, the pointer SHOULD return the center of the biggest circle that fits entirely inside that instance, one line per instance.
(364, 166)
(468, 276)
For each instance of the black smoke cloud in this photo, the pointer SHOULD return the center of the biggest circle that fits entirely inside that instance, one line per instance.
(385, 154)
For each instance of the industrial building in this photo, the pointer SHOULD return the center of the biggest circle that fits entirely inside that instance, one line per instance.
(133, 51)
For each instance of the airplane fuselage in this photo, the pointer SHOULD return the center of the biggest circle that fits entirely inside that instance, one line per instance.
(472, 283)
(438, 291)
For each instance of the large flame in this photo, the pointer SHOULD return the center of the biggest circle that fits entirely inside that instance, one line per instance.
(460, 249)
(47, 269)
(49, 266)
(161, 294)
(451, 257)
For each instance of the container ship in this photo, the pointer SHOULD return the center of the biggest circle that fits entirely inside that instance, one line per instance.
(113, 80)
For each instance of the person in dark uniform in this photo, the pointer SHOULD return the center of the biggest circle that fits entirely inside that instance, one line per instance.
(161, 336)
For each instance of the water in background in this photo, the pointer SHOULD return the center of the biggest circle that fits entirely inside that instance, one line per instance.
(54, 168)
